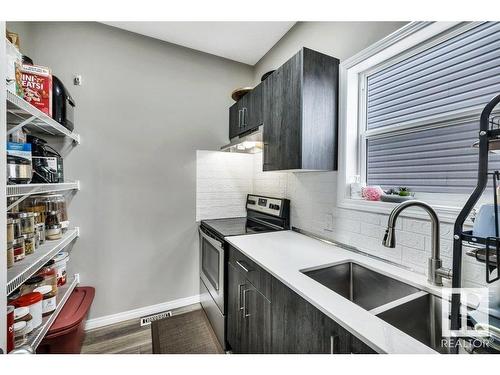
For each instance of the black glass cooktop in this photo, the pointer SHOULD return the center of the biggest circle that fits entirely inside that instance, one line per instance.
(235, 226)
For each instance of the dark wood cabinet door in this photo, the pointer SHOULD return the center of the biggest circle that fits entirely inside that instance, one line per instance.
(236, 324)
(282, 117)
(299, 328)
(253, 109)
(234, 120)
(258, 316)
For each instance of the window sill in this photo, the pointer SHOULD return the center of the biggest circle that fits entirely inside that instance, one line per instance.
(447, 214)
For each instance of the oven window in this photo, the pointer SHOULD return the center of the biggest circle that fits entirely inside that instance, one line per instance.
(210, 263)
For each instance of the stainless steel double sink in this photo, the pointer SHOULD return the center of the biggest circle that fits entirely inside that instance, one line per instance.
(405, 307)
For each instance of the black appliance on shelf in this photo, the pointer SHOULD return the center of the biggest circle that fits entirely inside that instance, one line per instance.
(487, 249)
(62, 104)
(264, 214)
(47, 162)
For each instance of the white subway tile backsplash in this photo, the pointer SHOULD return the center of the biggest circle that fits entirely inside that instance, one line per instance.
(371, 230)
(224, 179)
(416, 226)
(409, 239)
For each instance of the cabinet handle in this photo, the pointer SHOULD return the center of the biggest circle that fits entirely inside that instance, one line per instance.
(239, 118)
(334, 344)
(240, 305)
(244, 266)
(245, 314)
(244, 117)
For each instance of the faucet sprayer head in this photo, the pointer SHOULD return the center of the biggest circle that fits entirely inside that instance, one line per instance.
(389, 238)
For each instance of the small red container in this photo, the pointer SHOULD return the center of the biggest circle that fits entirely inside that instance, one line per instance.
(10, 327)
(67, 333)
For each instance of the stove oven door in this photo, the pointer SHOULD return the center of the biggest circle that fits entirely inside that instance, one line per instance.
(212, 266)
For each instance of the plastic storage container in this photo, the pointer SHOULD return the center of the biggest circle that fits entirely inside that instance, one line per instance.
(10, 328)
(49, 303)
(60, 261)
(67, 333)
(34, 302)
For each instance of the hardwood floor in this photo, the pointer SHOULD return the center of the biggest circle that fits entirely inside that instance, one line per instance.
(125, 337)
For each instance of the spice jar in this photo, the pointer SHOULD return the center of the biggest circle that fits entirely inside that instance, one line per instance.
(20, 333)
(40, 229)
(37, 238)
(31, 284)
(27, 222)
(51, 218)
(60, 261)
(10, 254)
(49, 274)
(53, 232)
(16, 223)
(22, 314)
(37, 217)
(49, 299)
(34, 302)
(29, 243)
(10, 229)
(18, 245)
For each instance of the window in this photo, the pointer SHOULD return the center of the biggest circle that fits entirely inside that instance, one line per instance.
(442, 81)
(410, 109)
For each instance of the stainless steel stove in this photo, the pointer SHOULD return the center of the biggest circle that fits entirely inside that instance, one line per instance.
(264, 214)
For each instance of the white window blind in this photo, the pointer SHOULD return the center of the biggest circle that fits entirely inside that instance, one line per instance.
(459, 74)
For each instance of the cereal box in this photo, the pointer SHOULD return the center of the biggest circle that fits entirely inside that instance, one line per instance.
(36, 84)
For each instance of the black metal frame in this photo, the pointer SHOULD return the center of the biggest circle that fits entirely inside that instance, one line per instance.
(485, 135)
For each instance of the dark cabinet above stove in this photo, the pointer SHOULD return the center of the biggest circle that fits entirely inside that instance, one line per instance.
(301, 114)
(246, 114)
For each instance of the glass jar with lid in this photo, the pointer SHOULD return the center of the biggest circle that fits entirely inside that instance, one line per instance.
(40, 229)
(10, 254)
(16, 224)
(51, 218)
(27, 222)
(18, 245)
(10, 229)
(29, 243)
(53, 229)
(44, 204)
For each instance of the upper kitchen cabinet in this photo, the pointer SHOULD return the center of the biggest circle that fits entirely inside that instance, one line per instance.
(300, 108)
(246, 114)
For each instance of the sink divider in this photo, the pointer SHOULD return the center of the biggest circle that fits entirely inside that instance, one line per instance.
(398, 302)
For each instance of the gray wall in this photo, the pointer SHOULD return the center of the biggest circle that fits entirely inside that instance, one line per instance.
(339, 39)
(144, 108)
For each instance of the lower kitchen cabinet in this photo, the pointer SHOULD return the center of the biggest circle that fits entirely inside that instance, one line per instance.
(280, 321)
(299, 328)
(249, 316)
(236, 328)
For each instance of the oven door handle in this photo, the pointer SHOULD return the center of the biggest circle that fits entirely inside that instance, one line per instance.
(211, 240)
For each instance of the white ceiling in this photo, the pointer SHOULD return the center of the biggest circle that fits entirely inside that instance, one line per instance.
(244, 42)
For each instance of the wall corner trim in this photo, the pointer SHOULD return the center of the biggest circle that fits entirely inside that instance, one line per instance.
(140, 312)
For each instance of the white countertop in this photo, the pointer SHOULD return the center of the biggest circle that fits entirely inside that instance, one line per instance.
(285, 253)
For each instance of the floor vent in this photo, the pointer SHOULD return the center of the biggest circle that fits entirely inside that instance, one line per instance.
(148, 319)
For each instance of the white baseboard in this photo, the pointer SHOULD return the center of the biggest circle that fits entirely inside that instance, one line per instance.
(140, 312)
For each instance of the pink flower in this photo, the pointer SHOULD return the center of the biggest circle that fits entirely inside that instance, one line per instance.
(372, 193)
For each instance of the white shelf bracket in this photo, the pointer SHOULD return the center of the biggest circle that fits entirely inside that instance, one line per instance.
(20, 125)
